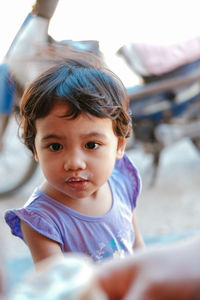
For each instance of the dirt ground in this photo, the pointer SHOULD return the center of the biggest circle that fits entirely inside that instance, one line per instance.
(171, 206)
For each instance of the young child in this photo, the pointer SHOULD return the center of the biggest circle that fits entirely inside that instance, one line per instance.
(75, 121)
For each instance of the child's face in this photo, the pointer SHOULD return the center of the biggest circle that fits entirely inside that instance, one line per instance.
(76, 156)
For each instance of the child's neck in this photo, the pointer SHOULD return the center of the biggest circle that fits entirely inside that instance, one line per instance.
(98, 204)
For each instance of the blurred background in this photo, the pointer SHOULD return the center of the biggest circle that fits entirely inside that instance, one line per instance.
(113, 23)
(170, 209)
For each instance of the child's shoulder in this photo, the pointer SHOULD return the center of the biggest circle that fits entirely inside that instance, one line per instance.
(37, 214)
(36, 195)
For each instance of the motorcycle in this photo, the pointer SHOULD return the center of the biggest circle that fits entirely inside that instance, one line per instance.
(165, 108)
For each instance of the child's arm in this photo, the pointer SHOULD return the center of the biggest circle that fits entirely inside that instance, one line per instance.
(40, 246)
(139, 242)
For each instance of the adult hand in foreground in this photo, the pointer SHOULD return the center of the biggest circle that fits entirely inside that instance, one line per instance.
(166, 273)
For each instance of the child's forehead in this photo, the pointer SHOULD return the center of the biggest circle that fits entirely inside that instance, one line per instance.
(59, 106)
(82, 125)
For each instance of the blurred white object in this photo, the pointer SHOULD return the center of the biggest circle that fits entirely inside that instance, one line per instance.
(21, 58)
(69, 277)
(170, 133)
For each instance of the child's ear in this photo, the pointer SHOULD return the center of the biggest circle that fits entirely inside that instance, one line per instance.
(35, 155)
(121, 147)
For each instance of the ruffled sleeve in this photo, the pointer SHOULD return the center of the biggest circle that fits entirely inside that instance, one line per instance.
(131, 177)
(39, 222)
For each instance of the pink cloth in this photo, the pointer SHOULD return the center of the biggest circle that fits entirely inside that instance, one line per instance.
(158, 59)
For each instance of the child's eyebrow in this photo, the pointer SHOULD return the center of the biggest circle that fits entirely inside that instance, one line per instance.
(94, 134)
(52, 136)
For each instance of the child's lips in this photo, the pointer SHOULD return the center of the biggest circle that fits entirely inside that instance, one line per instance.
(77, 182)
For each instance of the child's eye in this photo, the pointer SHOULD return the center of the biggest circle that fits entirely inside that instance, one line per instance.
(91, 145)
(55, 147)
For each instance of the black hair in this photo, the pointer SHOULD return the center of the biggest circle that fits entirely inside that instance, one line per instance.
(84, 87)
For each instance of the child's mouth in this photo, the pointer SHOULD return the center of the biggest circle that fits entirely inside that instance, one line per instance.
(77, 183)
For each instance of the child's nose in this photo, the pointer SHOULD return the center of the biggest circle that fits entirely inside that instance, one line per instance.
(74, 161)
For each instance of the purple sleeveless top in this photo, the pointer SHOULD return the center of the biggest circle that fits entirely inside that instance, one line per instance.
(100, 237)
